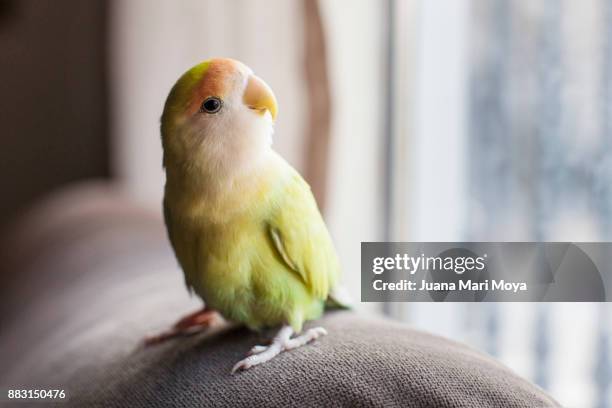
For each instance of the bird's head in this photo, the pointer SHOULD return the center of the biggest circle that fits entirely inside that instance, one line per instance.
(218, 115)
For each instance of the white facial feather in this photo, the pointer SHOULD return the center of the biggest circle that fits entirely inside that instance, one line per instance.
(234, 140)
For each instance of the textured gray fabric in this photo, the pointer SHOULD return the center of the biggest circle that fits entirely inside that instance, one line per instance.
(114, 280)
(360, 363)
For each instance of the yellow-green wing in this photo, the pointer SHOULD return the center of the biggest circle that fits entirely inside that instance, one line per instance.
(301, 239)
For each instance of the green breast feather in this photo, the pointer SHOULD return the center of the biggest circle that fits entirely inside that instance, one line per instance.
(273, 265)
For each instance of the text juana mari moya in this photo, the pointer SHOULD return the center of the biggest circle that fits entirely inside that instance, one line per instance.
(458, 265)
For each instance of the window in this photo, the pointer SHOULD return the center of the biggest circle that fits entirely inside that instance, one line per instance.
(502, 131)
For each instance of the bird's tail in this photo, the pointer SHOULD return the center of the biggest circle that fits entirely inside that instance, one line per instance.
(339, 298)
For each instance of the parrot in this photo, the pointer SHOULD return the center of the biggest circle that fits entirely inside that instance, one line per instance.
(244, 225)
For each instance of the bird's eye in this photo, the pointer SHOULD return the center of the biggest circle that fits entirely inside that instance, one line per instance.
(211, 105)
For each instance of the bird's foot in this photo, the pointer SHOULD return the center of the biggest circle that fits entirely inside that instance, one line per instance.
(295, 342)
(282, 342)
(191, 324)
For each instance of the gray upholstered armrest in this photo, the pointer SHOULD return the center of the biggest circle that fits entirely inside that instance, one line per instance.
(94, 282)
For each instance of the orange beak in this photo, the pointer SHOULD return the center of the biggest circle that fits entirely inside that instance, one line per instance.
(259, 97)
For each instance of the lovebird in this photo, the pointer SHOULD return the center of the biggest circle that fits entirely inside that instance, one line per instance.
(243, 223)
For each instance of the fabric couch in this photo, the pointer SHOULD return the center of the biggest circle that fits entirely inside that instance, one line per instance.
(88, 274)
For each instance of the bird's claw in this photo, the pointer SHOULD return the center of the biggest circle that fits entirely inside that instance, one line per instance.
(260, 354)
(241, 366)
